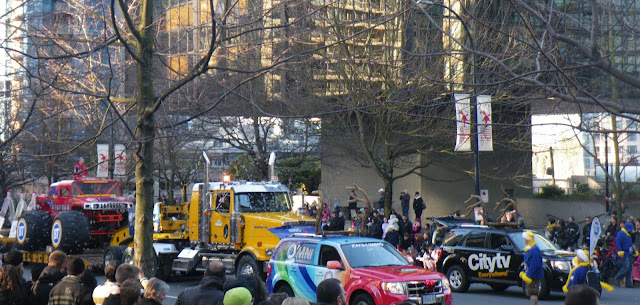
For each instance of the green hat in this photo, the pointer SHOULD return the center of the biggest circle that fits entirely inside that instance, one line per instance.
(237, 296)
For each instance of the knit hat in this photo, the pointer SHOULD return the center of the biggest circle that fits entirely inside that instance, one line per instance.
(527, 235)
(582, 254)
(628, 227)
(237, 296)
(381, 190)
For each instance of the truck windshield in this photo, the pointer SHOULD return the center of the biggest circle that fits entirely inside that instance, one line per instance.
(262, 202)
(93, 188)
(373, 254)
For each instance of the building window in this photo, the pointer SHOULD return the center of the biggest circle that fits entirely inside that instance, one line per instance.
(632, 137)
(179, 17)
(633, 150)
(178, 65)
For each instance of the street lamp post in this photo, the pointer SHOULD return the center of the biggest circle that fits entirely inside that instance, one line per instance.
(473, 132)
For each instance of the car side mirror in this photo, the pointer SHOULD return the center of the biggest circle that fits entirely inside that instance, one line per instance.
(334, 265)
(506, 248)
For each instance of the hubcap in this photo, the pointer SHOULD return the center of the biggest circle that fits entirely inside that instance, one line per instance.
(455, 278)
(246, 269)
(108, 257)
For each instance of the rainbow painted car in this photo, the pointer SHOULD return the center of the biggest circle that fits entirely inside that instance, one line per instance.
(371, 271)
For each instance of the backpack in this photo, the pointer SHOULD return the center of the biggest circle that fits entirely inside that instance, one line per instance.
(592, 279)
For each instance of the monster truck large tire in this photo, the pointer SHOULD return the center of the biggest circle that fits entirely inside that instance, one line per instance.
(70, 232)
(34, 229)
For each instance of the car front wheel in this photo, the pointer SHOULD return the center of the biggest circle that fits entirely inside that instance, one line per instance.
(458, 279)
(363, 299)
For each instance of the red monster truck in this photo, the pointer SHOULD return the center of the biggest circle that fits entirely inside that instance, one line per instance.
(73, 214)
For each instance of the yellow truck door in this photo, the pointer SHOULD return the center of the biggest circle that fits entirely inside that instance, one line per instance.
(220, 216)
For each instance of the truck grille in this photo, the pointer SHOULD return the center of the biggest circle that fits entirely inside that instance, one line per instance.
(419, 288)
(107, 206)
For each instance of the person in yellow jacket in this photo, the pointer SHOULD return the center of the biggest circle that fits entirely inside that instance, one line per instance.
(578, 274)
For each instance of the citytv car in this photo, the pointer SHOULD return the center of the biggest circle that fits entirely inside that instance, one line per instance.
(494, 256)
(371, 271)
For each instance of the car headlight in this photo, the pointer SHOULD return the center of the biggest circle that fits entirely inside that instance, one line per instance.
(445, 284)
(394, 287)
(561, 265)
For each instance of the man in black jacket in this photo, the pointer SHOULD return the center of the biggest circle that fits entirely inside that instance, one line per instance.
(574, 233)
(418, 205)
(586, 232)
(124, 273)
(209, 291)
(70, 290)
(50, 276)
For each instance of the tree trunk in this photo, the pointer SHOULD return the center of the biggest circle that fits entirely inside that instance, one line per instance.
(388, 196)
(145, 133)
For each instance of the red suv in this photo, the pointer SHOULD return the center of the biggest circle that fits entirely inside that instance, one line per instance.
(371, 271)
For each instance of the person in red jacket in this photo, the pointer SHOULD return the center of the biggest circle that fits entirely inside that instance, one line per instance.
(80, 169)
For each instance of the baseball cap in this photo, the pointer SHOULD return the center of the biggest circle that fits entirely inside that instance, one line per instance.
(381, 190)
(237, 296)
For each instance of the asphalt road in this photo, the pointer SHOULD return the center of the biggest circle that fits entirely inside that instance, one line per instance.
(478, 294)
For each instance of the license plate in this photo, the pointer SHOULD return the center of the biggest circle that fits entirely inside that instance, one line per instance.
(429, 299)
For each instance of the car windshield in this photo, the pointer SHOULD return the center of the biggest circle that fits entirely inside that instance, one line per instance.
(542, 242)
(93, 188)
(262, 202)
(373, 254)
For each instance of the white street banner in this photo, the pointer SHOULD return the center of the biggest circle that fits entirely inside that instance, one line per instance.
(20, 207)
(32, 203)
(485, 131)
(121, 159)
(463, 126)
(596, 231)
(7, 208)
(103, 161)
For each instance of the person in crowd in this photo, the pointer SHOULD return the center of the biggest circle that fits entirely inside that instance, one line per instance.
(418, 205)
(36, 270)
(295, 301)
(612, 229)
(330, 292)
(50, 276)
(353, 204)
(14, 257)
(511, 217)
(418, 241)
(336, 208)
(627, 252)
(563, 236)
(210, 287)
(385, 224)
(277, 298)
(80, 169)
(124, 273)
(109, 287)
(70, 290)
(551, 230)
(578, 274)
(393, 236)
(533, 273)
(375, 229)
(439, 234)
(416, 229)
(574, 233)
(405, 225)
(89, 281)
(427, 230)
(429, 259)
(586, 232)
(405, 242)
(237, 296)
(380, 202)
(582, 295)
(255, 285)
(405, 198)
(12, 289)
(155, 292)
(520, 220)
(340, 222)
(426, 241)
(130, 292)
